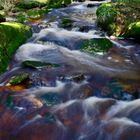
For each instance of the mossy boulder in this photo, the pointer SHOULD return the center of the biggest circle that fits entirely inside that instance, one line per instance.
(38, 64)
(96, 46)
(18, 79)
(106, 15)
(133, 30)
(120, 18)
(12, 35)
(66, 23)
(58, 3)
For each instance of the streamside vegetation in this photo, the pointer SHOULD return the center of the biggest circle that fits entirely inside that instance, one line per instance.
(120, 18)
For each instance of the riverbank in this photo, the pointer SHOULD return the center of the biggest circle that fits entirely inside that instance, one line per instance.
(121, 19)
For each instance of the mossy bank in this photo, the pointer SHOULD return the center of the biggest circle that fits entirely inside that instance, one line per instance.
(120, 19)
(12, 35)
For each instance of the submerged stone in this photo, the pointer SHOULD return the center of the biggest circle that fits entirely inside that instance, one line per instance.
(38, 64)
(51, 99)
(9, 101)
(115, 90)
(66, 23)
(96, 46)
(50, 118)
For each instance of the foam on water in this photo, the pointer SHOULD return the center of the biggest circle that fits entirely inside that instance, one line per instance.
(85, 63)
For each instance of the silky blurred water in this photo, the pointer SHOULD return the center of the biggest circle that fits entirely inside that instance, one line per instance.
(88, 97)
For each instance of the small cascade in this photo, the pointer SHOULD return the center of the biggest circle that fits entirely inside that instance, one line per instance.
(58, 89)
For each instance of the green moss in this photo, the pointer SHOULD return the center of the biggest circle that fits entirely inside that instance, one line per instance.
(17, 9)
(96, 46)
(24, 4)
(106, 15)
(36, 13)
(38, 64)
(66, 23)
(133, 30)
(18, 79)
(120, 18)
(51, 99)
(12, 35)
(22, 17)
(58, 3)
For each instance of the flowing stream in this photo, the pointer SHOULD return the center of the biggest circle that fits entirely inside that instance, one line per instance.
(85, 97)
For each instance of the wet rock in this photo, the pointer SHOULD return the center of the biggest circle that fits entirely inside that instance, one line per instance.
(9, 101)
(50, 99)
(28, 103)
(66, 23)
(83, 92)
(96, 46)
(85, 28)
(38, 64)
(78, 78)
(9, 44)
(106, 15)
(35, 102)
(41, 130)
(18, 79)
(133, 30)
(116, 90)
(90, 5)
(50, 118)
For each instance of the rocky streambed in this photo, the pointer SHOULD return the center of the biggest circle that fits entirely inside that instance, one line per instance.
(70, 81)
